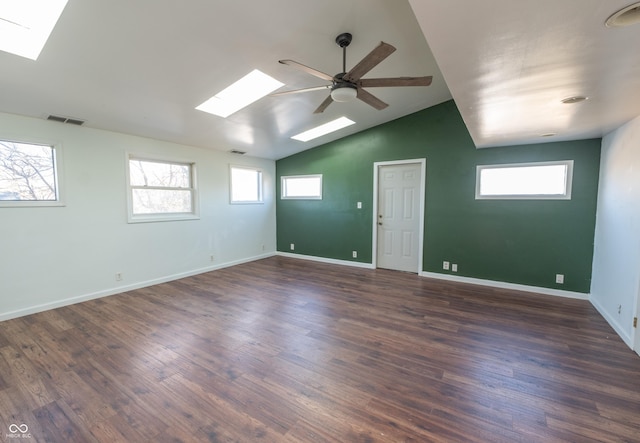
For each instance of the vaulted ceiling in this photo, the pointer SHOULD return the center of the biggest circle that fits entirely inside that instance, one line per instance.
(509, 64)
(142, 67)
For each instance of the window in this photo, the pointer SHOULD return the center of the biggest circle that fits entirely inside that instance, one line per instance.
(161, 190)
(535, 181)
(308, 187)
(246, 185)
(29, 174)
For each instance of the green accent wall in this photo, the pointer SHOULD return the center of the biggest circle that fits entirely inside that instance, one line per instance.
(525, 242)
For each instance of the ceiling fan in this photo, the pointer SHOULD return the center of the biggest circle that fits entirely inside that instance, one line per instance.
(346, 86)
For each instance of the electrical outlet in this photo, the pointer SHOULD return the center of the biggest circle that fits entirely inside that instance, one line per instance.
(619, 309)
(211, 258)
(354, 254)
(118, 276)
(292, 247)
(445, 265)
(359, 205)
(560, 279)
(454, 267)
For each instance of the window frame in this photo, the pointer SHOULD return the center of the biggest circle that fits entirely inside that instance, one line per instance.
(164, 216)
(283, 187)
(260, 172)
(58, 168)
(567, 184)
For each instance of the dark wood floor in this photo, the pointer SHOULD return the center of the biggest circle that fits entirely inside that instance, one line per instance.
(285, 350)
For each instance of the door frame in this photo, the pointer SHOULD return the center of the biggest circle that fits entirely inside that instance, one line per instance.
(635, 332)
(423, 181)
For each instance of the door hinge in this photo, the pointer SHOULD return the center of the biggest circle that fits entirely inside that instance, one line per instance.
(635, 322)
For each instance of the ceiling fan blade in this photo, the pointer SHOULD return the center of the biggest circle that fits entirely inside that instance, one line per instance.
(382, 51)
(397, 81)
(297, 91)
(327, 101)
(307, 69)
(371, 99)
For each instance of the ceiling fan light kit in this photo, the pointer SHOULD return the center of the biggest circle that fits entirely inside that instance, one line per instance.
(344, 93)
(349, 85)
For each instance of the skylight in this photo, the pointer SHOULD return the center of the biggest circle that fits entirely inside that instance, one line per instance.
(25, 25)
(250, 88)
(321, 130)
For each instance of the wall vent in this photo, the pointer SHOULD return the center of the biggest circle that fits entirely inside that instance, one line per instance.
(71, 121)
(235, 151)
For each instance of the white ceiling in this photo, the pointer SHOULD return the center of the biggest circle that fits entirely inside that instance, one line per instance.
(509, 63)
(141, 67)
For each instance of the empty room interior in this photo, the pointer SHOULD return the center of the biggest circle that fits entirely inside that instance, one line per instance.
(332, 221)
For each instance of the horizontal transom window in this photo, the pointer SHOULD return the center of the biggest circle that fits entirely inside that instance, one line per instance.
(534, 181)
(307, 187)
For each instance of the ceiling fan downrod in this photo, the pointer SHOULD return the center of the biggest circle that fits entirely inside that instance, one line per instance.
(343, 40)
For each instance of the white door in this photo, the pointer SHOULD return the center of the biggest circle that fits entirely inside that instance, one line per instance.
(398, 218)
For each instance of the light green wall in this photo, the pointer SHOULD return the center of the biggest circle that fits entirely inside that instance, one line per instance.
(523, 242)
(55, 256)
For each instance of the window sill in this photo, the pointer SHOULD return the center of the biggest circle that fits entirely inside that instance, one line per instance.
(30, 204)
(153, 218)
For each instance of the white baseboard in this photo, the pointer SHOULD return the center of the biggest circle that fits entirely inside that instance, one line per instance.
(120, 289)
(496, 284)
(331, 261)
(624, 335)
(491, 283)
(504, 285)
(455, 278)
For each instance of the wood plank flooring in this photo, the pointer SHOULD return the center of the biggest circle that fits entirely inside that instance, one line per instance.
(285, 350)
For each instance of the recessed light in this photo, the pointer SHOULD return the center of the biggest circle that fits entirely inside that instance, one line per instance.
(321, 130)
(25, 26)
(574, 99)
(250, 88)
(625, 17)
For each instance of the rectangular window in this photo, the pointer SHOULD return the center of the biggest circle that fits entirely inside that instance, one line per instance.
(29, 174)
(161, 190)
(533, 181)
(246, 185)
(304, 187)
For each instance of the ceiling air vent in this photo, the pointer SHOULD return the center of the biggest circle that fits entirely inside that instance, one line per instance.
(235, 151)
(71, 121)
